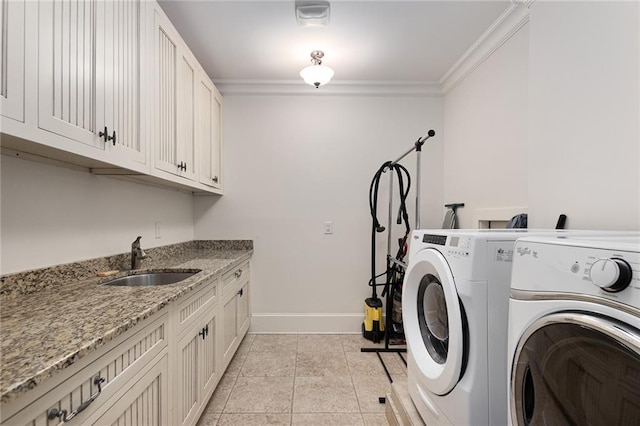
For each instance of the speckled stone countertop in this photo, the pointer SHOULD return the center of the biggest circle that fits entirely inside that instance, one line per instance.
(70, 313)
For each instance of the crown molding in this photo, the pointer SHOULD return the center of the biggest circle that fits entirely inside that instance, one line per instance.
(333, 88)
(507, 24)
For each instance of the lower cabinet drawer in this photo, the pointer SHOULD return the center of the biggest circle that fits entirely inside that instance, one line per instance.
(201, 301)
(75, 398)
(234, 277)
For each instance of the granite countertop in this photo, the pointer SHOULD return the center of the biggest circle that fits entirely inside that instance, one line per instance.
(44, 331)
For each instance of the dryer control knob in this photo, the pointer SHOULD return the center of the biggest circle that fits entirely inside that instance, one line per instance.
(610, 274)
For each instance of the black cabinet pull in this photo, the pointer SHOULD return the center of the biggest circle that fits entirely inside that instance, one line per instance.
(105, 134)
(111, 138)
(241, 292)
(182, 166)
(206, 330)
(202, 333)
(62, 414)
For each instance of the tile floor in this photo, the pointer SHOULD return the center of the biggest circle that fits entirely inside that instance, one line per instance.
(286, 379)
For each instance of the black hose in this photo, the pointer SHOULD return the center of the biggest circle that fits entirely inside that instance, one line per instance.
(375, 224)
(376, 227)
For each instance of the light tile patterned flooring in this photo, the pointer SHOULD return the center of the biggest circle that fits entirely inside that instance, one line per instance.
(287, 379)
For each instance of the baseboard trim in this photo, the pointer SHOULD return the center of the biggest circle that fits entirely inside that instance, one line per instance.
(306, 323)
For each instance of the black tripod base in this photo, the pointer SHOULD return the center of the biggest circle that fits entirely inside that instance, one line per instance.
(383, 350)
(378, 351)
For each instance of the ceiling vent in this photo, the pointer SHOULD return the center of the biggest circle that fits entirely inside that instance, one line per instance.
(312, 13)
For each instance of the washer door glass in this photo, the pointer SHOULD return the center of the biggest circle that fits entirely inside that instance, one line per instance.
(577, 369)
(433, 320)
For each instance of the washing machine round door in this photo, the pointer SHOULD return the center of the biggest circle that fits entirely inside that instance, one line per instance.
(433, 321)
(576, 368)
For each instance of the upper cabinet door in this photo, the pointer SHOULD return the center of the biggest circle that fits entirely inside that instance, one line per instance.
(66, 68)
(210, 132)
(176, 69)
(118, 59)
(89, 75)
(166, 59)
(12, 48)
(186, 115)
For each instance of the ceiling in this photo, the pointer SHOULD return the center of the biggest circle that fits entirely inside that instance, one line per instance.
(370, 41)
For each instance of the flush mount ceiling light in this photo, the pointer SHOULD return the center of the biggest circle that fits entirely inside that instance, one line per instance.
(312, 13)
(317, 74)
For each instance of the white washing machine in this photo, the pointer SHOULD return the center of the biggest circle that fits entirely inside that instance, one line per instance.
(455, 308)
(574, 332)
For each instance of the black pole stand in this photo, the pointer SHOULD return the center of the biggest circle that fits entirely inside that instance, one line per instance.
(391, 261)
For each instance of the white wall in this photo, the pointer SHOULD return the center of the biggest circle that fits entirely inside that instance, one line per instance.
(52, 215)
(584, 137)
(293, 162)
(485, 139)
(551, 121)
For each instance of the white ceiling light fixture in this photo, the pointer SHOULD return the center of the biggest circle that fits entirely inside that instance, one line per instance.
(312, 13)
(317, 74)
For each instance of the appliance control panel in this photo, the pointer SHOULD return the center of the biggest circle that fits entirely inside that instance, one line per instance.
(453, 245)
(602, 269)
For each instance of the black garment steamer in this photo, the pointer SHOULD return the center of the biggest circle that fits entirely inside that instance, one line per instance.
(394, 272)
(373, 327)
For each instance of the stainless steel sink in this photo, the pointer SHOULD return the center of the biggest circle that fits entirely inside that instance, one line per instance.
(152, 278)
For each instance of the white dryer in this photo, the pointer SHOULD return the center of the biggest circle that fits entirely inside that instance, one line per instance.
(574, 332)
(455, 307)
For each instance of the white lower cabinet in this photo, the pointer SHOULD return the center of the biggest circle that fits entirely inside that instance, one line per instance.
(235, 315)
(143, 403)
(196, 371)
(161, 372)
(209, 332)
(95, 383)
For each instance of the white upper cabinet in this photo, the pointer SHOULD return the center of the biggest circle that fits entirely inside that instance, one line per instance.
(187, 148)
(108, 85)
(67, 70)
(175, 121)
(12, 50)
(89, 74)
(166, 55)
(210, 132)
(119, 58)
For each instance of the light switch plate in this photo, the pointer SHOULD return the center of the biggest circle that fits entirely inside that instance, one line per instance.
(328, 228)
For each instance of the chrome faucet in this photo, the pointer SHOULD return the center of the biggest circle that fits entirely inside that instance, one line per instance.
(137, 254)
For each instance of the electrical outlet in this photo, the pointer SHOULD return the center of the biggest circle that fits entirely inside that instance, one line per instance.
(158, 234)
(328, 228)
